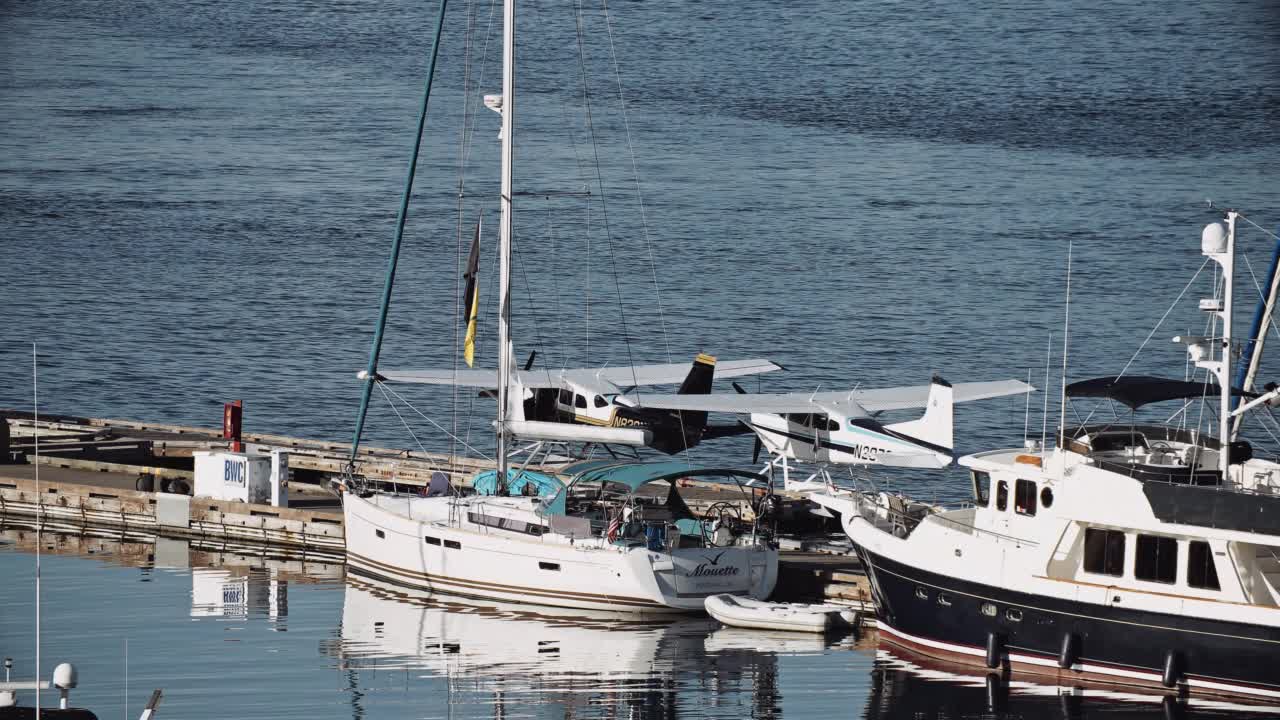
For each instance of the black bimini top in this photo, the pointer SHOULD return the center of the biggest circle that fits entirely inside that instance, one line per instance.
(1138, 390)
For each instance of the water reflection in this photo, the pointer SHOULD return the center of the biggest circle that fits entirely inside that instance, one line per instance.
(586, 664)
(905, 684)
(387, 653)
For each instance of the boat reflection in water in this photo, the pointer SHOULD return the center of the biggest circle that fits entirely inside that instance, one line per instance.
(908, 685)
(586, 664)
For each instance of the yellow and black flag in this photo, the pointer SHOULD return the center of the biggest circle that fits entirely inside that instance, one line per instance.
(471, 300)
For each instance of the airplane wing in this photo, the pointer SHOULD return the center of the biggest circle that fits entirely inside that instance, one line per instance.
(849, 401)
(487, 379)
(918, 396)
(665, 374)
(605, 379)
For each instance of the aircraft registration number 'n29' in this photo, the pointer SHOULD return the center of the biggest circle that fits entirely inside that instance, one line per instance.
(867, 453)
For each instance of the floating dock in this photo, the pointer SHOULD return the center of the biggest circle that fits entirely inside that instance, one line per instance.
(90, 469)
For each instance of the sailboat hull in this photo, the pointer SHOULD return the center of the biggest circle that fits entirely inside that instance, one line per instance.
(427, 544)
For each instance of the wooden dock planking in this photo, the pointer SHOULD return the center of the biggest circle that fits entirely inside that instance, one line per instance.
(74, 507)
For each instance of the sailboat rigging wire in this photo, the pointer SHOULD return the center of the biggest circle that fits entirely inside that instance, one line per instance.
(1162, 319)
(554, 244)
(528, 289)
(412, 434)
(437, 425)
(599, 179)
(1240, 216)
(461, 212)
(644, 223)
(403, 213)
(635, 174)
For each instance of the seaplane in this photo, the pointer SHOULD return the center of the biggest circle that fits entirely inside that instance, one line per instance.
(571, 406)
(841, 427)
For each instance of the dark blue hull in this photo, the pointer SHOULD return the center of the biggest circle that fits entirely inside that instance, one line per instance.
(944, 616)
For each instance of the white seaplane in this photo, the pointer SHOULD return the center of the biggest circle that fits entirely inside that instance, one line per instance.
(840, 427)
(576, 405)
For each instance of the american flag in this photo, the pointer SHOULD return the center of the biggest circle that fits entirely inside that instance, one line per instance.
(615, 524)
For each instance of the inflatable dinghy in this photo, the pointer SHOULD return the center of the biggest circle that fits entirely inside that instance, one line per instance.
(740, 611)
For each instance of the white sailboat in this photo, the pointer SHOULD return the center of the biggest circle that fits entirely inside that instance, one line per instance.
(609, 536)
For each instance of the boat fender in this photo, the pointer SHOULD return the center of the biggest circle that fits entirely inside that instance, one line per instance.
(146, 482)
(995, 648)
(1172, 669)
(1070, 649)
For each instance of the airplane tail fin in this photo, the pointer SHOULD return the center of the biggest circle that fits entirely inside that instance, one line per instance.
(697, 382)
(936, 426)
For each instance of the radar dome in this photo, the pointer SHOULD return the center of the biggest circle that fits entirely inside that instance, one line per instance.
(1213, 240)
(64, 676)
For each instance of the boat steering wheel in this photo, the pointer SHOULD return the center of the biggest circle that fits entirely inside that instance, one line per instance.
(720, 514)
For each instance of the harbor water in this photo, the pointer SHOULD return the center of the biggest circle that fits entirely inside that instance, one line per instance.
(229, 635)
(197, 199)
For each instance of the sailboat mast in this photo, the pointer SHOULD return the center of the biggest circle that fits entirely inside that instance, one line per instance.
(504, 230)
(1224, 378)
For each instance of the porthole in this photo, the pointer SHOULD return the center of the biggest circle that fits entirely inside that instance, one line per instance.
(989, 609)
(922, 593)
(379, 533)
(1013, 615)
(1046, 497)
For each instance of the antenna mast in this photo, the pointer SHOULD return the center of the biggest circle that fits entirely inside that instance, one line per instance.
(35, 429)
(1066, 327)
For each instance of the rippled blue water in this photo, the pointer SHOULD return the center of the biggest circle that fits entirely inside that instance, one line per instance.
(196, 200)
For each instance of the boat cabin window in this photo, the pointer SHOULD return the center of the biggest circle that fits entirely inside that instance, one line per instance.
(981, 488)
(566, 397)
(1104, 552)
(579, 401)
(600, 401)
(1200, 570)
(1002, 496)
(1024, 501)
(1156, 559)
(1046, 496)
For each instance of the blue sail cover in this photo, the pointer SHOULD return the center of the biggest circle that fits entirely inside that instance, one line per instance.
(486, 483)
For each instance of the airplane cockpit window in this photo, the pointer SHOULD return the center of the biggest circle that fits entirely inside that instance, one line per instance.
(579, 401)
(820, 421)
(832, 425)
(600, 401)
(798, 418)
(566, 397)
